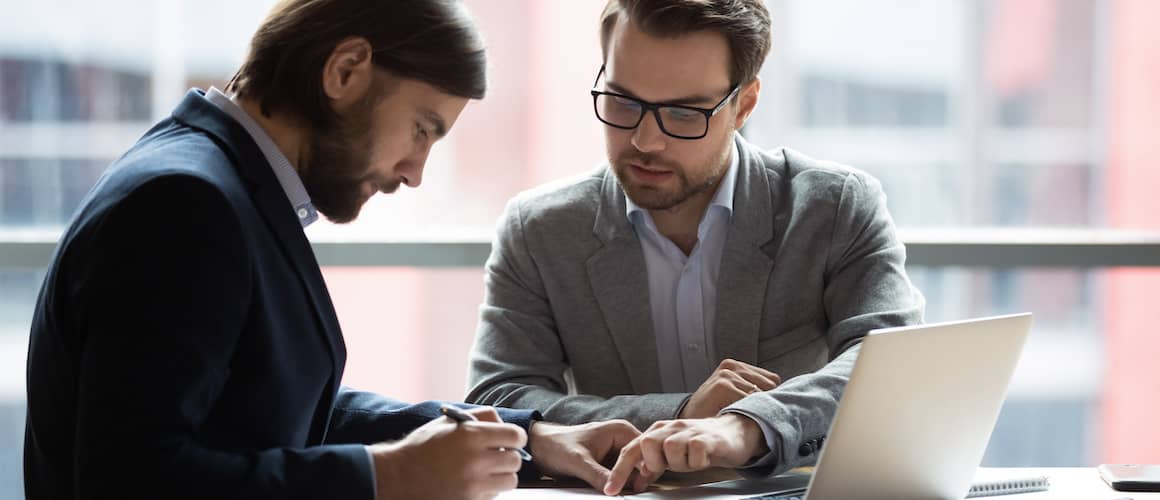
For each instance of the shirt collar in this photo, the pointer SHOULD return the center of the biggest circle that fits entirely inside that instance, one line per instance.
(283, 170)
(723, 198)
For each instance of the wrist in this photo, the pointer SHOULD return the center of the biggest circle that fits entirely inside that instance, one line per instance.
(539, 432)
(752, 437)
(384, 463)
(535, 433)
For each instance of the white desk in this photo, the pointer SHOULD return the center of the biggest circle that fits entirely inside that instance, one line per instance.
(1079, 484)
(1066, 484)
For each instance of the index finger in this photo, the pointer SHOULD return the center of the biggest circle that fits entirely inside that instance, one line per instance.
(628, 461)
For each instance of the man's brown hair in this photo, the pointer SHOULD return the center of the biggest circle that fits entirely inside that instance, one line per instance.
(745, 23)
(433, 41)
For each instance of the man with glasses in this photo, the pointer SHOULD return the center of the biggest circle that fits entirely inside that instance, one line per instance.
(695, 276)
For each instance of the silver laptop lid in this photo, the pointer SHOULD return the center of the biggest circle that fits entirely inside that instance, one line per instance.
(915, 418)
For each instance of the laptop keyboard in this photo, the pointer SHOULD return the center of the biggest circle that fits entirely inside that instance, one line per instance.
(798, 494)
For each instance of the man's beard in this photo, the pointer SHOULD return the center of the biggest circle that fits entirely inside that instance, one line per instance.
(337, 166)
(653, 197)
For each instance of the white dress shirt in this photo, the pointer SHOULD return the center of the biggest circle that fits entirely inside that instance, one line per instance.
(683, 295)
(683, 289)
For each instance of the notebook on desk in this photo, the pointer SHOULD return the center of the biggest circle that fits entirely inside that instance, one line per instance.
(987, 482)
(916, 416)
(991, 482)
(792, 486)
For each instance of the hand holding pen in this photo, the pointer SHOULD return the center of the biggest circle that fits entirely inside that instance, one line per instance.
(460, 416)
(446, 459)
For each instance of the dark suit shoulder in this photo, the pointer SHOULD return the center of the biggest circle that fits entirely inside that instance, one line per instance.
(173, 170)
(169, 150)
(150, 197)
(175, 149)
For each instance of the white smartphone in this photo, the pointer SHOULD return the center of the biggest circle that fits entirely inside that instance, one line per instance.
(1131, 477)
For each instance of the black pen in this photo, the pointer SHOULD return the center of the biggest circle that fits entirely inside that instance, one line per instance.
(458, 415)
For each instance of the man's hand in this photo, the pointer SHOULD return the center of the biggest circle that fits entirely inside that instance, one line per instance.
(731, 381)
(729, 440)
(581, 451)
(445, 460)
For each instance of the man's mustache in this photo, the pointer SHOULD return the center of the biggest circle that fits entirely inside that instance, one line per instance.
(647, 160)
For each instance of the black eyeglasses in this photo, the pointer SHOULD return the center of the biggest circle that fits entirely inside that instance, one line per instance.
(675, 120)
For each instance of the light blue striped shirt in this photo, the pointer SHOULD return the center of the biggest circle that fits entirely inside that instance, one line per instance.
(683, 296)
(683, 289)
(283, 170)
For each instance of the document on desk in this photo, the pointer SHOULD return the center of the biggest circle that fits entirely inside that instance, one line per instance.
(723, 490)
(550, 493)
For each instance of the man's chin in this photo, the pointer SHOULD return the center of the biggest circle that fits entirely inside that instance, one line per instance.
(341, 215)
(341, 219)
(650, 198)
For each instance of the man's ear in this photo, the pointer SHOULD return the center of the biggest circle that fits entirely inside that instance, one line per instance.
(348, 73)
(747, 100)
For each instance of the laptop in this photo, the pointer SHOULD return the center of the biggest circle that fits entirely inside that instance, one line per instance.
(919, 409)
(914, 419)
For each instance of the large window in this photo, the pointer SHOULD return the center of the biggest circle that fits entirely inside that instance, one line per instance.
(1018, 114)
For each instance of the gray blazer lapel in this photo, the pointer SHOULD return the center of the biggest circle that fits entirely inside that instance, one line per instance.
(745, 267)
(620, 284)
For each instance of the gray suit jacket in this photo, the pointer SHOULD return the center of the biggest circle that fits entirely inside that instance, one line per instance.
(811, 263)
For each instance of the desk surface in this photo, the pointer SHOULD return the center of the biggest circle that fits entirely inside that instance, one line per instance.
(1066, 484)
(1079, 484)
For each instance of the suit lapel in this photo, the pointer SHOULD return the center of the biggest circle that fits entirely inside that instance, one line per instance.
(620, 284)
(275, 207)
(745, 268)
(271, 201)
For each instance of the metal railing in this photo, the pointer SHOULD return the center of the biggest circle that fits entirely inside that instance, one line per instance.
(966, 247)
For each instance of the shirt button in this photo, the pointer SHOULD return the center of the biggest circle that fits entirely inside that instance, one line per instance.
(302, 213)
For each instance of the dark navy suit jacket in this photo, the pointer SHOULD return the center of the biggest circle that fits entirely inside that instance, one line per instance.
(184, 344)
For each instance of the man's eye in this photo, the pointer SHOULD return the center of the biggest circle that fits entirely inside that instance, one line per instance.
(626, 102)
(681, 114)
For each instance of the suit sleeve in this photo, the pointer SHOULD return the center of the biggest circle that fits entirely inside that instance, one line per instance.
(517, 360)
(163, 291)
(366, 418)
(867, 288)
